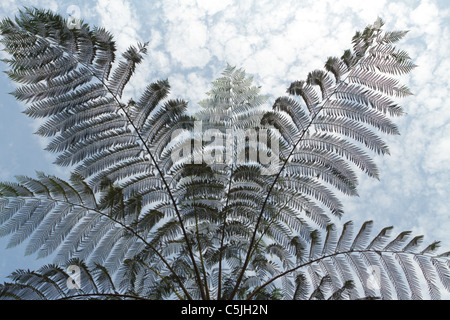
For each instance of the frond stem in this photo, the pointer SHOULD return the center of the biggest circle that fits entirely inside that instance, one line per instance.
(222, 240)
(103, 295)
(199, 244)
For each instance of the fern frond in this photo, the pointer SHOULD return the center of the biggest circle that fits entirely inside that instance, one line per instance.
(60, 283)
(122, 75)
(342, 148)
(388, 272)
(153, 95)
(352, 130)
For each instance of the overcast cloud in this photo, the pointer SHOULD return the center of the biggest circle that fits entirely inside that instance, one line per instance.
(277, 42)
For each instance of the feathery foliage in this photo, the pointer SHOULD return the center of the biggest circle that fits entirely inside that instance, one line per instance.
(235, 202)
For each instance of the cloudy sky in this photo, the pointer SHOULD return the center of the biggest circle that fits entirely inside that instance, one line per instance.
(277, 42)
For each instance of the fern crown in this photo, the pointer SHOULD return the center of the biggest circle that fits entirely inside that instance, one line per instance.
(152, 210)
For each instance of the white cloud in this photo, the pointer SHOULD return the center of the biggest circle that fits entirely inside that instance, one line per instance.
(213, 6)
(10, 7)
(189, 85)
(366, 11)
(425, 13)
(120, 19)
(186, 43)
(438, 152)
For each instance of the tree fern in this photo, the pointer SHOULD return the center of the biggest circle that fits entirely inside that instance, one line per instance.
(236, 201)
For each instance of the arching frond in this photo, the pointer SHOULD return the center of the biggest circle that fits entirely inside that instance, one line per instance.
(73, 281)
(383, 271)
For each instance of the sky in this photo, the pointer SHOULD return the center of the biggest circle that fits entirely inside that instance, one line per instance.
(277, 42)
